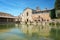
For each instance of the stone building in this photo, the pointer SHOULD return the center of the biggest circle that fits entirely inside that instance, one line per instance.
(31, 15)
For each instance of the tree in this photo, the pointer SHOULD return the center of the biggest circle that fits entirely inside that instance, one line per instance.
(57, 8)
(57, 4)
(52, 14)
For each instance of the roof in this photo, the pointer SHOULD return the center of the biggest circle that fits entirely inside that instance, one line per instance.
(6, 15)
(37, 12)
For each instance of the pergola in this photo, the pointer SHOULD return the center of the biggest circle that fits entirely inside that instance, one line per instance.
(4, 17)
(7, 19)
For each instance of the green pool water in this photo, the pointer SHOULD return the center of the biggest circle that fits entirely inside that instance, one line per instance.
(29, 32)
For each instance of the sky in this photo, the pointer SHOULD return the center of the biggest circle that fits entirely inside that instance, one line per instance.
(16, 7)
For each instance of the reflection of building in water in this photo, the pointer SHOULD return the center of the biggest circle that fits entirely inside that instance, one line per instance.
(44, 30)
(30, 29)
(4, 30)
(6, 27)
(4, 17)
(30, 15)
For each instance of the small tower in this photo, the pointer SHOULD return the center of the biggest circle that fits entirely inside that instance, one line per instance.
(37, 8)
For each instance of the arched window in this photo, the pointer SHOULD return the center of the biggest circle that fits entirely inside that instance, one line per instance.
(27, 13)
(47, 20)
(39, 16)
(38, 20)
(42, 19)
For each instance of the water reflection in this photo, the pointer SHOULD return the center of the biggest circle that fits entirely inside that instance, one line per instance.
(38, 32)
(28, 32)
(30, 29)
(6, 26)
(55, 33)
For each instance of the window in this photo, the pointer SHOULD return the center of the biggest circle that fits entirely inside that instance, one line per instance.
(38, 20)
(35, 20)
(47, 20)
(42, 19)
(27, 13)
(39, 16)
(27, 20)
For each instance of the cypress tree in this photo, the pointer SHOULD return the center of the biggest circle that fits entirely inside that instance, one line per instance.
(57, 8)
(52, 14)
(57, 5)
